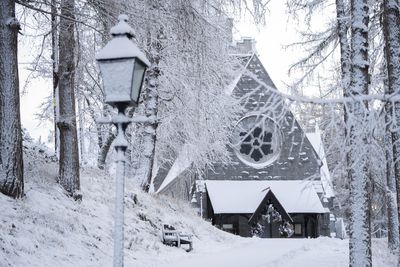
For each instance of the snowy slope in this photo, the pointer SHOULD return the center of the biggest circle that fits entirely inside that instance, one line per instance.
(46, 228)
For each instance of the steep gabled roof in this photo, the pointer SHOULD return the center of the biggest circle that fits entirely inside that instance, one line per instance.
(297, 159)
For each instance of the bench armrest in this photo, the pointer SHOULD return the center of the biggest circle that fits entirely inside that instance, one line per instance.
(189, 236)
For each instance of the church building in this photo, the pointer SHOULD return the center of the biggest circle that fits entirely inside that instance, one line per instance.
(277, 184)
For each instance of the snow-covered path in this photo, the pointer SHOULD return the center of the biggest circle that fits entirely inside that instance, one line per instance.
(271, 252)
(326, 252)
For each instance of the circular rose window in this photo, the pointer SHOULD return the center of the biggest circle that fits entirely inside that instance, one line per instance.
(257, 140)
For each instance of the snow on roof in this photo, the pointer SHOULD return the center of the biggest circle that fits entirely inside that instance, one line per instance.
(231, 86)
(181, 163)
(316, 142)
(229, 89)
(318, 187)
(229, 196)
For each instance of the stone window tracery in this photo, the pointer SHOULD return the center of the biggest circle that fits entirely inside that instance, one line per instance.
(257, 140)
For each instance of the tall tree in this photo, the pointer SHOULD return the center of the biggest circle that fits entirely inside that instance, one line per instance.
(69, 155)
(11, 163)
(391, 203)
(147, 132)
(342, 31)
(358, 138)
(391, 33)
(54, 57)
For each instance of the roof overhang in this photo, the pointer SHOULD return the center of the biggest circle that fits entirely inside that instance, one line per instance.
(244, 197)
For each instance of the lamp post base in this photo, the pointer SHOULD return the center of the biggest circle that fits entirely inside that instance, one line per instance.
(119, 208)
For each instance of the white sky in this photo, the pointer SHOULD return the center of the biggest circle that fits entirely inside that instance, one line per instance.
(37, 91)
(30, 101)
(270, 41)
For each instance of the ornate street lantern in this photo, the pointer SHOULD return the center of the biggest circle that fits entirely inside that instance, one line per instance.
(122, 66)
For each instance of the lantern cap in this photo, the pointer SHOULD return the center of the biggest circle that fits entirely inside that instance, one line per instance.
(122, 27)
(120, 46)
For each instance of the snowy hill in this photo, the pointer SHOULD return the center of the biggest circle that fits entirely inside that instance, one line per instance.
(47, 228)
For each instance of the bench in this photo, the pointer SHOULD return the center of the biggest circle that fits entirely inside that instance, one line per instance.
(172, 237)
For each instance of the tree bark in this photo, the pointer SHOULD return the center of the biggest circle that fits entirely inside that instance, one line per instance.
(147, 132)
(360, 235)
(69, 155)
(391, 198)
(98, 125)
(104, 149)
(342, 30)
(11, 158)
(81, 122)
(391, 33)
(54, 58)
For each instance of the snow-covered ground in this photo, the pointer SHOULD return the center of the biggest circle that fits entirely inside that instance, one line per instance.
(46, 228)
(257, 252)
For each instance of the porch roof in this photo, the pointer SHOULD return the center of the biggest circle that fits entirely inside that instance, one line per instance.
(235, 197)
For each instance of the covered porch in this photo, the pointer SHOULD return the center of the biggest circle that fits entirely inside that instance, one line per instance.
(264, 208)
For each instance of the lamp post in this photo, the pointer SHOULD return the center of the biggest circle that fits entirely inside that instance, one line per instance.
(122, 66)
(200, 187)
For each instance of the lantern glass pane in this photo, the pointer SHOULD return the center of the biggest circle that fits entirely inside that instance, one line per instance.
(138, 75)
(117, 79)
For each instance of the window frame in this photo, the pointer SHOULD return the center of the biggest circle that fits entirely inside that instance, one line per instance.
(301, 229)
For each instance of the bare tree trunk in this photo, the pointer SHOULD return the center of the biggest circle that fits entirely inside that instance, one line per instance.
(11, 160)
(98, 126)
(391, 198)
(101, 158)
(342, 19)
(391, 33)
(342, 28)
(82, 145)
(69, 155)
(147, 132)
(360, 234)
(54, 57)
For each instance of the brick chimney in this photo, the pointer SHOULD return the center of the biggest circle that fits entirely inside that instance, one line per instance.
(246, 46)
